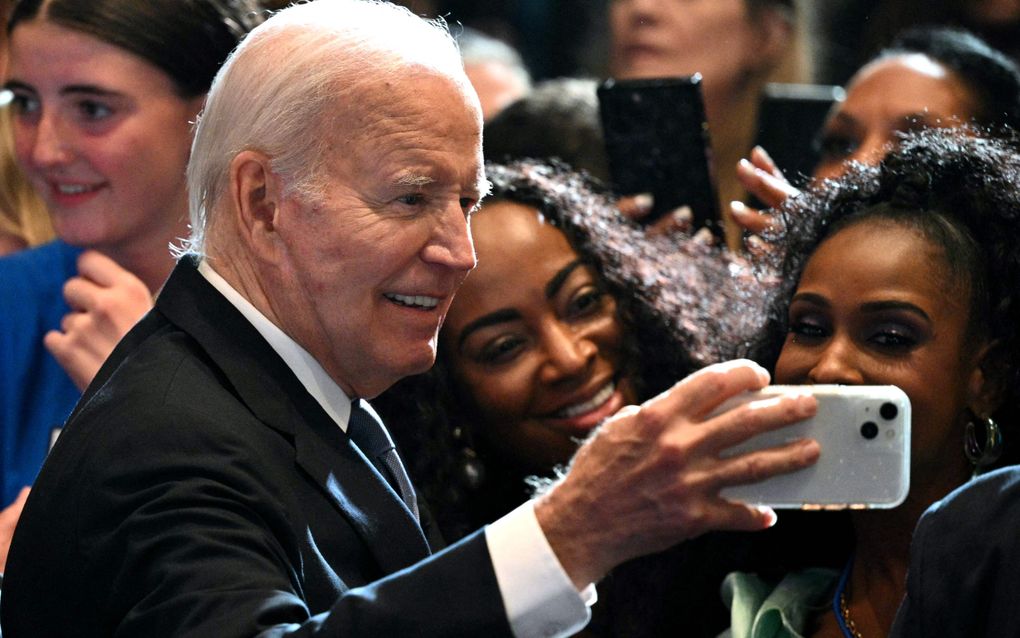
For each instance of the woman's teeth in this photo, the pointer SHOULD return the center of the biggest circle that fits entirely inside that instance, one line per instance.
(73, 189)
(583, 408)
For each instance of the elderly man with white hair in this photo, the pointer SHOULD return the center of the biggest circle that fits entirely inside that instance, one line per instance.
(223, 475)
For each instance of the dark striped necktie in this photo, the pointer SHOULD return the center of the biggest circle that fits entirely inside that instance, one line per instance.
(371, 437)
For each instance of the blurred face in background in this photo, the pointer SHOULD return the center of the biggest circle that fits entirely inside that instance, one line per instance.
(102, 135)
(660, 38)
(533, 340)
(887, 97)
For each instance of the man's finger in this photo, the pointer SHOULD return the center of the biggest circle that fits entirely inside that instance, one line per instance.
(749, 419)
(759, 465)
(703, 391)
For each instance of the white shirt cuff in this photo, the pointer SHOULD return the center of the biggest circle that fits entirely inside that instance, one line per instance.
(539, 598)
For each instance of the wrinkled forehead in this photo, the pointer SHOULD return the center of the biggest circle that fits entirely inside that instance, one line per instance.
(408, 99)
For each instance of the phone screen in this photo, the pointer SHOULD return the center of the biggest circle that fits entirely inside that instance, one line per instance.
(657, 142)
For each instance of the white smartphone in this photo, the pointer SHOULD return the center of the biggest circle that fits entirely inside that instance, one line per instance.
(864, 433)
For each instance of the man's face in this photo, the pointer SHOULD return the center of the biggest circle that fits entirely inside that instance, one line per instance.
(367, 276)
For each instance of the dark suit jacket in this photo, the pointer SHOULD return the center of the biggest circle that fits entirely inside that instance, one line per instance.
(964, 577)
(199, 490)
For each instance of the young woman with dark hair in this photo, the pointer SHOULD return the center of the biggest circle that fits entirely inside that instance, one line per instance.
(104, 97)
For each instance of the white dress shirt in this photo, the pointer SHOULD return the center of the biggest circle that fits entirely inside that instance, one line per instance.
(539, 598)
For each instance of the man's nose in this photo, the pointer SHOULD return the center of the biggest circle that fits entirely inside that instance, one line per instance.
(451, 244)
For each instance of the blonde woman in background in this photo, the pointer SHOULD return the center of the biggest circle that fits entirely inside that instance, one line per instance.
(24, 221)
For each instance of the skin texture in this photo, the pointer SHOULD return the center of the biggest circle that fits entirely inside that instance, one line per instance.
(91, 116)
(876, 304)
(525, 355)
(394, 220)
(890, 96)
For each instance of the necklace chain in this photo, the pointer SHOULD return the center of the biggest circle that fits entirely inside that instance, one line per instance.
(844, 609)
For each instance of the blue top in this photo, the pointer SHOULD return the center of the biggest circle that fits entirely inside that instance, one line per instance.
(36, 395)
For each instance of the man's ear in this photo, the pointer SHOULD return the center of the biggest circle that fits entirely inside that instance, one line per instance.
(986, 385)
(256, 195)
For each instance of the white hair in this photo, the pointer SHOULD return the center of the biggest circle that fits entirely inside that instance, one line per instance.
(278, 91)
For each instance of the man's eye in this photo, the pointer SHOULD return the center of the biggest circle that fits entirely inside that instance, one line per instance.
(412, 199)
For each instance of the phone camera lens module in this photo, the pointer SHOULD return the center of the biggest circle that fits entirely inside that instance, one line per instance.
(869, 430)
(888, 411)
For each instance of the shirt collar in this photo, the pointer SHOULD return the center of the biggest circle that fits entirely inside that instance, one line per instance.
(309, 372)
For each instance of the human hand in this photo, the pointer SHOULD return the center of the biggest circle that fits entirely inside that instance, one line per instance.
(650, 476)
(8, 521)
(106, 301)
(638, 207)
(762, 178)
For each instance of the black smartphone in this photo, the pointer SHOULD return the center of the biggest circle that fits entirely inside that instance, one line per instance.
(657, 142)
(789, 120)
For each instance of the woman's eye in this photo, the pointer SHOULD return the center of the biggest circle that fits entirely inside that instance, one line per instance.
(23, 104)
(587, 302)
(832, 146)
(92, 110)
(501, 350)
(894, 338)
(806, 329)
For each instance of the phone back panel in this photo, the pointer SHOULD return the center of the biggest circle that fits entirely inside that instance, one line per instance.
(865, 450)
(657, 142)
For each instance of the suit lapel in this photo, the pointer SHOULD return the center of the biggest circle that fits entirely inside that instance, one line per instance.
(274, 395)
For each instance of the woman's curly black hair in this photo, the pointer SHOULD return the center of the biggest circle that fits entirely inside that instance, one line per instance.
(960, 191)
(676, 300)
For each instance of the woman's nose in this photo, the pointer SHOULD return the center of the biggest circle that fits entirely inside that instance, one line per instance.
(568, 352)
(45, 141)
(873, 149)
(837, 363)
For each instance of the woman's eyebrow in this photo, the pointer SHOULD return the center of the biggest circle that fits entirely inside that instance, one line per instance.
(557, 281)
(881, 306)
(503, 315)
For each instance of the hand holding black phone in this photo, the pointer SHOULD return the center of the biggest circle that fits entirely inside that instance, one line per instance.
(657, 142)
